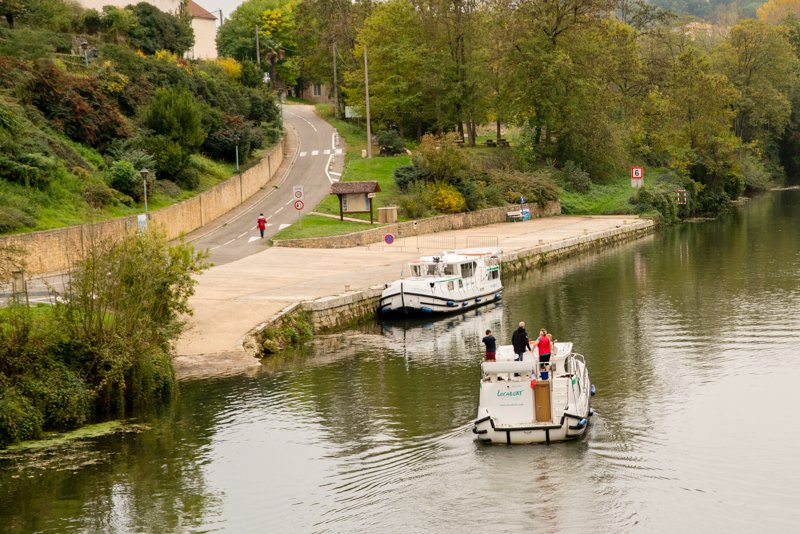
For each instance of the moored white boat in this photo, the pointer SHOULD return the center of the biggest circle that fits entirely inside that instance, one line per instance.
(520, 404)
(450, 282)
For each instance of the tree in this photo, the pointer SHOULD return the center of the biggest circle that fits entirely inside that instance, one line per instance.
(776, 11)
(690, 119)
(156, 30)
(11, 9)
(758, 59)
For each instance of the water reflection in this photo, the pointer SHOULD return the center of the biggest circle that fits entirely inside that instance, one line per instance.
(690, 337)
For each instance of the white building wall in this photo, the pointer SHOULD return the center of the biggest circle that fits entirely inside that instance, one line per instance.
(205, 39)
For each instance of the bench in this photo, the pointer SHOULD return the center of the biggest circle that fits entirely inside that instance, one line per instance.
(514, 216)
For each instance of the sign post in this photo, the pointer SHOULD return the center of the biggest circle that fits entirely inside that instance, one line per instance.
(637, 177)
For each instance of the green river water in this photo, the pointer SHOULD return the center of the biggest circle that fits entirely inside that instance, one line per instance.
(691, 337)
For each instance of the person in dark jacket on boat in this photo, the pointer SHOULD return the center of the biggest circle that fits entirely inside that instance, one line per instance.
(520, 341)
(491, 346)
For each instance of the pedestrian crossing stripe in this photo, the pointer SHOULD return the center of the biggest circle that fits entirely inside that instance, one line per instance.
(337, 152)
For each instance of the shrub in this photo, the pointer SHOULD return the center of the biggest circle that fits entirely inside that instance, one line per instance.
(441, 158)
(98, 195)
(168, 188)
(417, 203)
(660, 197)
(712, 202)
(390, 143)
(176, 115)
(76, 106)
(19, 419)
(124, 178)
(406, 175)
(222, 142)
(537, 188)
(168, 156)
(188, 178)
(447, 199)
(61, 397)
(12, 219)
(573, 178)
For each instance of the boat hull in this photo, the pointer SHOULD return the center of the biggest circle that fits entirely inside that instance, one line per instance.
(394, 303)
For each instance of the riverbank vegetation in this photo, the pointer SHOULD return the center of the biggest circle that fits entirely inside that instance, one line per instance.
(103, 349)
(707, 107)
(88, 99)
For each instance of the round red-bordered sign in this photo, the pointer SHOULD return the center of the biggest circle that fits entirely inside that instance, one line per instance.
(298, 205)
(298, 193)
(388, 239)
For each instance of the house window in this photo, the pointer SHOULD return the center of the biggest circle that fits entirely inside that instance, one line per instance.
(317, 89)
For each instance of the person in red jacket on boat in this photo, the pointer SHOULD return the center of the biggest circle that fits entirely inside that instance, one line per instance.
(545, 345)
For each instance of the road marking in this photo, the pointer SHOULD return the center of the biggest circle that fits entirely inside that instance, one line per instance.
(326, 151)
(335, 173)
(229, 242)
(284, 226)
(241, 235)
(253, 238)
(277, 211)
(338, 151)
(302, 154)
(302, 119)
(290, 201)
(327, 169)
(315, 152)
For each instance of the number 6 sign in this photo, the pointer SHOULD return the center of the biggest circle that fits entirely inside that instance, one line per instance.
(637, 176)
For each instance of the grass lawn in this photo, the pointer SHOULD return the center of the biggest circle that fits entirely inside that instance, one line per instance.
(602, 199)
(319, 226)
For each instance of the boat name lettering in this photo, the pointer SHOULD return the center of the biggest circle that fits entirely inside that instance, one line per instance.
(517, 393)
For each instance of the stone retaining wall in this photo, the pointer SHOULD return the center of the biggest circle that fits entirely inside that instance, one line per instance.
(432, 225)
(54, 251)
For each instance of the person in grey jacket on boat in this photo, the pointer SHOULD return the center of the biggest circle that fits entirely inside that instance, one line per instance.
(520, 341)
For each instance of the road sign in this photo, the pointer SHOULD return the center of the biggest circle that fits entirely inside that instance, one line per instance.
(388, 239)
(637, 176)
(297, 192)
(298, 205)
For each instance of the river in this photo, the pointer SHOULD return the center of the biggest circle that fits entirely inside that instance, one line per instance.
(691, 338)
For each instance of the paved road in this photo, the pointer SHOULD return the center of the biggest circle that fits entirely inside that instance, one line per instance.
(314, 158)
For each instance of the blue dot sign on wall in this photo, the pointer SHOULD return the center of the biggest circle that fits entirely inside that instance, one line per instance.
(388, 239)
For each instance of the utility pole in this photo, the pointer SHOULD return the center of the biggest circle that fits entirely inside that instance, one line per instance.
(258, 52)
(335, 84)
(366, 89)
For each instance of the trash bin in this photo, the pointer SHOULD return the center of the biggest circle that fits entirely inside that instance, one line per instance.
(387, 214)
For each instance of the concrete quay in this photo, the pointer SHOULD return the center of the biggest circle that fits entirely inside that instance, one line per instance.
(234, 300)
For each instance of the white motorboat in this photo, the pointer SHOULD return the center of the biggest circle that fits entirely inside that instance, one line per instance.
(522, 403)
(451, 282)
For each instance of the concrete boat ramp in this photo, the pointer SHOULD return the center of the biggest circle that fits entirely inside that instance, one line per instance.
(233, 300)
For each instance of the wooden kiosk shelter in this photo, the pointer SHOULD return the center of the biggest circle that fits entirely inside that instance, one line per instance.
(356, 197)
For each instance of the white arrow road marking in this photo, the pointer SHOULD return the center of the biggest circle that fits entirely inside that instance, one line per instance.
(281, 227)
(253, 238)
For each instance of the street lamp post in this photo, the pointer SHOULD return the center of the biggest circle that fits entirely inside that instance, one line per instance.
(85, 48)
(237, 152)
(144, 173)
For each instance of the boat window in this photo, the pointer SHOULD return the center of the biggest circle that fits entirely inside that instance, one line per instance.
(493, 275)
(416, 271)
(450, 285)
(431, 269)
(449, 268)
(467, 270)
(460, 283)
